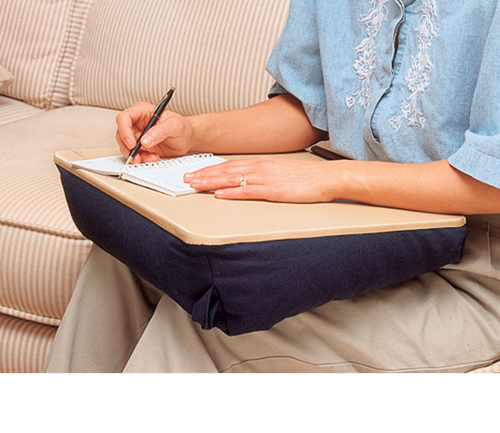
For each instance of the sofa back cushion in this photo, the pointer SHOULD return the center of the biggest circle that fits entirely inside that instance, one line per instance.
(6, 78)
(38, 42)
(214, 52)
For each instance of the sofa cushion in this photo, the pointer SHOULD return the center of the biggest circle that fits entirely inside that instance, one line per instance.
(77, 17)
(42, 252)
(24, 345)
(38, 44)
(6, 78)
(13, 109)
(213, 52)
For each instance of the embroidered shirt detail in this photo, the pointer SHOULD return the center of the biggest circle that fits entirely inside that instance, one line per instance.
(366, 62)
(421, 65)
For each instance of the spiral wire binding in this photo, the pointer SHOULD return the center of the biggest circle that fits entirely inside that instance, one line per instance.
(168, 163)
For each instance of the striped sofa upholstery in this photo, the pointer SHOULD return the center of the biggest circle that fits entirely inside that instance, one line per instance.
(38, 45)
(6, 78)
(214, 53)
(74, 63)
(13, 109)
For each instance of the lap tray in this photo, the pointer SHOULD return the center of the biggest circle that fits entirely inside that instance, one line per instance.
(244, 266)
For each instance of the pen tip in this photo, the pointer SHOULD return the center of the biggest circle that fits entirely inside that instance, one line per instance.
(127, 162)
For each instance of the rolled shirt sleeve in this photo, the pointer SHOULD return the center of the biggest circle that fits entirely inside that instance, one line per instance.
(479, 156)
(295, 63)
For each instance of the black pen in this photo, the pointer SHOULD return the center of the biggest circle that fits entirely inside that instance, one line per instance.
(157, 113)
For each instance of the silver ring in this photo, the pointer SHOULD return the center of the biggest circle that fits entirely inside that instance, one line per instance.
(242, 181)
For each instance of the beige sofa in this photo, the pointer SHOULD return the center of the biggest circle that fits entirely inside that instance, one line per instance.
(67, 67)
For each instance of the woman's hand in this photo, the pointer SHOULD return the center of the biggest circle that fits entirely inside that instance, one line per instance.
(268, 178)
(171, 136)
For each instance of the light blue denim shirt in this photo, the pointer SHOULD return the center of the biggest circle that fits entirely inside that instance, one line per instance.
(437, 97)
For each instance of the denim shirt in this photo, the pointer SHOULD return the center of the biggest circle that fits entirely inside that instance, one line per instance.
(436, 97)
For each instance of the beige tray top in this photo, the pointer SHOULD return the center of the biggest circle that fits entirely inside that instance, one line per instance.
(202, 219)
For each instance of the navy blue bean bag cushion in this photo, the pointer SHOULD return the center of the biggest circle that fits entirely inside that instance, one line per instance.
(248, 287)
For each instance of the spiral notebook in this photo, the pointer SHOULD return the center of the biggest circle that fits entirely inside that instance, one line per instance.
(165, 175)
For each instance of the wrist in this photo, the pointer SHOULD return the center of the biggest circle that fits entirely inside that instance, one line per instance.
(348, 180)
(200, 141)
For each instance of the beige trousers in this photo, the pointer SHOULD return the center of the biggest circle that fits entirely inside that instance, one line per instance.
(444, 321)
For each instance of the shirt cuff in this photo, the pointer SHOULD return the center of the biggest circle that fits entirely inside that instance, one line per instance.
(479, 157)
(317, 115)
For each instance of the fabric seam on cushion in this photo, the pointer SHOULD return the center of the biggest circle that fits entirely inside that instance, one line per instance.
(42, 229)
(62, 50)
(215, 287)
(47, 97)
(30, 317)
(450, 368)
(71, 88)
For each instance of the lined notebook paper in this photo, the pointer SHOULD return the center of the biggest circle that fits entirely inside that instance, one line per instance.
(165, 175)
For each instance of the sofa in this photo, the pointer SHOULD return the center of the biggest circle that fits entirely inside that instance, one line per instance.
(67, 68)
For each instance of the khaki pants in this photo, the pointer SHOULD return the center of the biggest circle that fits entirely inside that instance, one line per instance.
(444, 321)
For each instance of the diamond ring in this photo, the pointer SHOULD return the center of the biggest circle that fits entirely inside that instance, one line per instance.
(242, 181)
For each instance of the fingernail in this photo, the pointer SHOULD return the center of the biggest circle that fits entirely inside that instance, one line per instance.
(147, 141)
(188, 176)
(219, 193)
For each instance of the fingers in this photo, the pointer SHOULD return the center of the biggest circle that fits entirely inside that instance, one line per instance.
(144, 156)
(226, 175)
(272, 179)
(231, 188)
(249, 192)
(211, 183)
(170, 127)
(131, 122)
(227, 168)
(237, 180)
(167, 138)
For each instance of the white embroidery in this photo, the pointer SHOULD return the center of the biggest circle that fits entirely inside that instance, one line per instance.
(366, 62)
(418, 74)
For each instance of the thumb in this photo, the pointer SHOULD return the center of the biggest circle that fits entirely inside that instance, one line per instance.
(170, 128)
